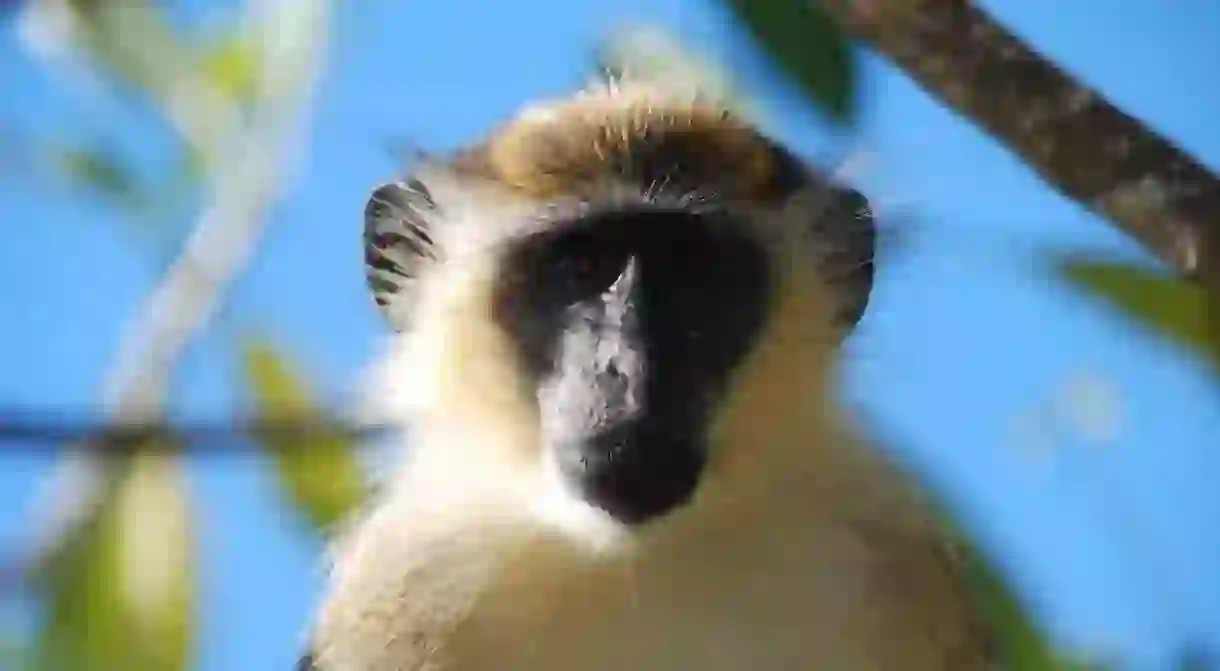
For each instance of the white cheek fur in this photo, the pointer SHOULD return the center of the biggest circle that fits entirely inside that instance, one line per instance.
(417, 373)
(557, 507)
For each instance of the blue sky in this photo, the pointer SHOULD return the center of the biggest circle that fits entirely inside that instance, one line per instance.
(967, 344)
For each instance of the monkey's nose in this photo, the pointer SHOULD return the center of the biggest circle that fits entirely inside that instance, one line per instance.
(635, 471)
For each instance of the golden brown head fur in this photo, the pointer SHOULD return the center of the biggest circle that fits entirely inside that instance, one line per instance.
(566, 146)
(799, 549)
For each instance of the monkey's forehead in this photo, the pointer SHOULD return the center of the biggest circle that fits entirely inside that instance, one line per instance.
(640, 135)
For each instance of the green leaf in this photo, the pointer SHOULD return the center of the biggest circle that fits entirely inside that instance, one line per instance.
(153, 205)
(1176, 308)
(131, 42)
(101, 171)
(230, 62)
(14, 654)
(806, 43)
(318, 469)
(1023, 645)
(86, 7)
(120, 593)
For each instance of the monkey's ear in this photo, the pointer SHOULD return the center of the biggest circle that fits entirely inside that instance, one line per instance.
(398, 246)
(846, 236)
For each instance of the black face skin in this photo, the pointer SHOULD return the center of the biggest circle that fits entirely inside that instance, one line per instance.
(629, 323)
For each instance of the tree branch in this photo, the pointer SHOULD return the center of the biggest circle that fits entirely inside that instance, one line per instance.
(1077, 141)
(34, 428)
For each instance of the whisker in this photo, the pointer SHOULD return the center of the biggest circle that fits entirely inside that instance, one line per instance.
(633, 582)
(657, 187)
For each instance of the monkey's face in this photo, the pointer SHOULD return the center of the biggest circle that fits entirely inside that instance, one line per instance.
(628, 277)
(628, 324)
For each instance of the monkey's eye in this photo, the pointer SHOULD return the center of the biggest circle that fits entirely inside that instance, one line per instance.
(591, 272)
(579, 266)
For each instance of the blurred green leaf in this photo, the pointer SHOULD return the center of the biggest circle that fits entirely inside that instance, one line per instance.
(1024, 646)
(156, 206)
(86, 7)
(319, 470)
(120, 593)
(101, 171)
(132, 42)
(14, 655)
(806, 43)
(1022, 643)
(1173, 307)
(230, 62)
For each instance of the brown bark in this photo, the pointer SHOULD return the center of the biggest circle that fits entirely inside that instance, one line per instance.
(1067, 132)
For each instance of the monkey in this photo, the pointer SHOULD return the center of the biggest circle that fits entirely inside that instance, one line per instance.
(616, 323)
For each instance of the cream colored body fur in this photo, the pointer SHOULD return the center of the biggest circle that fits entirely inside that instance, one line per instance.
(800, 550)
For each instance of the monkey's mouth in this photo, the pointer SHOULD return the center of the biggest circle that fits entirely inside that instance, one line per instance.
(635, 471)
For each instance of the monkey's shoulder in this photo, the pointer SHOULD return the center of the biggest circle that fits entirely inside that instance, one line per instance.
(403, 579)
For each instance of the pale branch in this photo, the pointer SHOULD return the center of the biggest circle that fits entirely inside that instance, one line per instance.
(136, 385)
(1077, 141)
(134, 45)
(243, 184)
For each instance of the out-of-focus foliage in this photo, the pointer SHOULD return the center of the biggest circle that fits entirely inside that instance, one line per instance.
(130, 43)
(230, 61)
(99, 32)
(14, 655)
(118, 589)
(808, 45)
(151, 205)
(318, 471)
(1023, 644)
(133, 48)
(121, 593)
(1175, 308)
(99, 171)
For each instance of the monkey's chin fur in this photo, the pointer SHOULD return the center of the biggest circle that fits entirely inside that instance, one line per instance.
(800, 550)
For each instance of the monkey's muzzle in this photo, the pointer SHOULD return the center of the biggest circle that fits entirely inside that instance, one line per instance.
(635, 471)
(619, 439)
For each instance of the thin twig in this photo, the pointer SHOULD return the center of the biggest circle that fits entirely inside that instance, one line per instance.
(54, 431)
